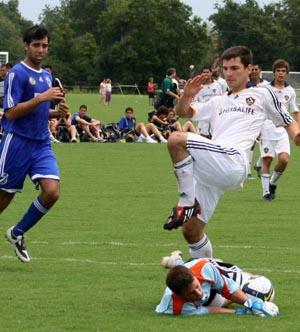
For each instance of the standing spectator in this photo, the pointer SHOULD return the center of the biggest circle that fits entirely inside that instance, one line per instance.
(169, 93)
(102, 91)
(108, 92)
(151, 86)
(25, 148)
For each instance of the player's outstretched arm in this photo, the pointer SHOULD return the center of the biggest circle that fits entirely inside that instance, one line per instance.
(192, 87)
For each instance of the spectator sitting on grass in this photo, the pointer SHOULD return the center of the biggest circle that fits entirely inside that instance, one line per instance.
(58, 123)
(85, 123)
(141, 132)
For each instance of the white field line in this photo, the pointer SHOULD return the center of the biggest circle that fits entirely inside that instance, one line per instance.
(170, 244)
(136, 264)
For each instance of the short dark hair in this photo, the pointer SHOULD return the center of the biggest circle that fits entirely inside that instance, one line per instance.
(243, 52)
(162, 110)
(206, 67)
(83, 106)
(128, 109)
(48, 66)
(170, 71)
(35, 32)
(8, 65)
(281, 63)
(179, 279)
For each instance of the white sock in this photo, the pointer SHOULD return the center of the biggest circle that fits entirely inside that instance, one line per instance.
(275, 176)
(265, 181)
(201, 249)
(184, 171)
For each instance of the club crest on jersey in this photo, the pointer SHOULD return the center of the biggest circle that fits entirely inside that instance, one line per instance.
(286, 98)
(266, 150)
(32, 81)
(250, 101)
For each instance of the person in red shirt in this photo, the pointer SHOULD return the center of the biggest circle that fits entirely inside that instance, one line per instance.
(151, 86)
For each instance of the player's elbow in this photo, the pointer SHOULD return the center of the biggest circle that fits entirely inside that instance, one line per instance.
(10, 114)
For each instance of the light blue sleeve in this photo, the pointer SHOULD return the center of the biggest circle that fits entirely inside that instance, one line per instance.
(220, 282)
(166, 306)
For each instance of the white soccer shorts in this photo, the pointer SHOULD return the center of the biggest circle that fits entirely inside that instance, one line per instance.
(272, 148)
(216, 169)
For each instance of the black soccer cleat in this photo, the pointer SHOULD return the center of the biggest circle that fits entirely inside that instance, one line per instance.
(272, 189)
(267, 197)
(181, 214)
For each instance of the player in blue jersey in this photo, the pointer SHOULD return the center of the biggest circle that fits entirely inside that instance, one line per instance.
(25, 148)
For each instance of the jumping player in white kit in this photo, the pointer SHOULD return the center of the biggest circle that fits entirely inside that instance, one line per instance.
(206, 168)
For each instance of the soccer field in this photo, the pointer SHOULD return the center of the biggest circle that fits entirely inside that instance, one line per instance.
(96, 255)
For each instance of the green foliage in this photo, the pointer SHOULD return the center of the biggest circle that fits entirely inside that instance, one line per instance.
(265, 30)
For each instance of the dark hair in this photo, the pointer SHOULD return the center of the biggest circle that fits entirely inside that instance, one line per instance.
(179, 279)
(8, 65)
(35, 32)
(170, 71)
(281, 63)
(48, 66)
(257, 64)
(83, 106)
(128, 109)
(206, 67)
(243, 52)
(162, 110)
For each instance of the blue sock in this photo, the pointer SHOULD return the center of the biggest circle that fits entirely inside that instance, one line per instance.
(35, 212)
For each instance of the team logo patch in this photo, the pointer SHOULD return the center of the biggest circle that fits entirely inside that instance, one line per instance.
(3, 178)
(250, 101)
(32, 81)
(286, 98)
(266, 150)
(214, 90)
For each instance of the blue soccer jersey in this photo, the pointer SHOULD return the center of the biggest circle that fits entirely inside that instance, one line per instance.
(22, 84)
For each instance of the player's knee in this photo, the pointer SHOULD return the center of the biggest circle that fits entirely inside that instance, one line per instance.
(177, 139)
(51, 195)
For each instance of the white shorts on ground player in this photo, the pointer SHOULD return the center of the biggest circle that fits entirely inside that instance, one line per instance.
(216, 169)
(272, 148)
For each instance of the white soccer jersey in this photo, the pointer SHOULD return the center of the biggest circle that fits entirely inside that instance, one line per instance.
(223, 84)
(208, 91)
(287, 97)
(237, 118)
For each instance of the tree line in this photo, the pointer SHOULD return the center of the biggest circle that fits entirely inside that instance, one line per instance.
(131, 40)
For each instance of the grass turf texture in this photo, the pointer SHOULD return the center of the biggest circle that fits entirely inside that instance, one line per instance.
(96, 254)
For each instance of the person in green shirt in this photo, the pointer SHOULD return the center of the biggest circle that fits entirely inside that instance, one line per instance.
(169, 94)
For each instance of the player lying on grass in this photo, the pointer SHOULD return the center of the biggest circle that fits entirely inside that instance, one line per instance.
(206, 286)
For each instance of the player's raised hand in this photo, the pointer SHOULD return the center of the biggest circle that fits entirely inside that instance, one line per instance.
(194, 85)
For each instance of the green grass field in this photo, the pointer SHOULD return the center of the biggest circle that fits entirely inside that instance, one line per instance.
(96, 255)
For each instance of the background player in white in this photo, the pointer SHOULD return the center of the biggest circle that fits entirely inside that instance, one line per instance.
(209, 90)
(206, 168)
(274, 141)
(25, 148)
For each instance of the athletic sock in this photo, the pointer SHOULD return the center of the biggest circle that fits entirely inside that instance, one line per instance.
(35, 212)
(265, 181)
(250, 160)
(184, 173)
(201, 249)
(274, 177)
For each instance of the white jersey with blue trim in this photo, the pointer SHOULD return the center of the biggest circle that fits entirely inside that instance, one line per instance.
(237, 118)
(22, 84)
(209, 91)
(287, 97)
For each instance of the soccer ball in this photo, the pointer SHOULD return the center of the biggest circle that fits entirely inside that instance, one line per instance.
(260, 287)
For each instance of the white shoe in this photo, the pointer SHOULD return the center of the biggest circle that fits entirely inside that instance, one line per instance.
(150, 140)
(141, 139)
(53, 139)
(163, 140)
(19, 244)
(170, 261)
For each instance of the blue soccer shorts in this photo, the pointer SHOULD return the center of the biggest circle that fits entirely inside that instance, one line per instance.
(20, 156)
